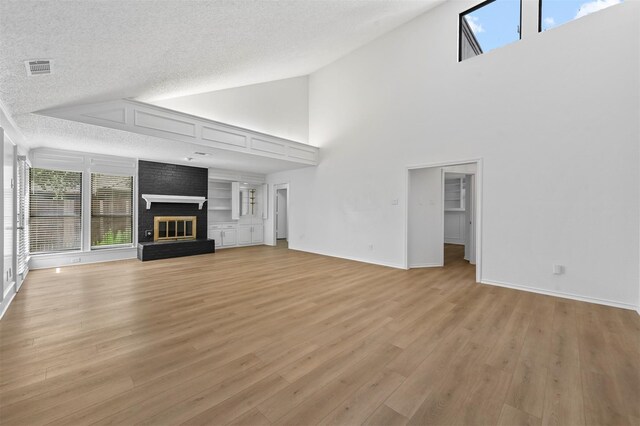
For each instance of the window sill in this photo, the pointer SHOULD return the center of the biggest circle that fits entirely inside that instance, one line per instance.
(69, 258)
(112, 247)
(79, 252)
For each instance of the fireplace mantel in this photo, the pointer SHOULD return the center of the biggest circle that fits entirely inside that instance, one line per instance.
(183, 199)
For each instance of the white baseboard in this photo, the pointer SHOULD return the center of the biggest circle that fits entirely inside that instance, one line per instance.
(8, 298)
(241, 245)
(563, 295)
(355, 259)
(426, 265)
(54, 260)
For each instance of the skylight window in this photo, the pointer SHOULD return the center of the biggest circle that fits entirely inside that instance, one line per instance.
(558, 12)
(487, 26)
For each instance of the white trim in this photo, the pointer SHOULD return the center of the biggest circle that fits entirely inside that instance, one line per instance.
(6, 301)
(54, 260)
(175, 125)
(155, 198)
(79, 161)
(23, 276)
(426, 265)
(560, 294)
(446, 163)
(10, 126)
(240, 245)
(478, 201)
(355, 259)
(235, 176)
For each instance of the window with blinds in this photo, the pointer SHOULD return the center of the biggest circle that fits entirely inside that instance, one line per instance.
(111, 210)
(23, 214)
(55, 210)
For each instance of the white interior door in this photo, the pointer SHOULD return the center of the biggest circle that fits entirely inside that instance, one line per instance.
(425, 239)
(281, 214)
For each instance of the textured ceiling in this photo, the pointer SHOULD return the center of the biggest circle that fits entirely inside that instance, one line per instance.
(158, 49)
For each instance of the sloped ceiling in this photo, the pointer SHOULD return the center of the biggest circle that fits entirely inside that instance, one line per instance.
(159, 49)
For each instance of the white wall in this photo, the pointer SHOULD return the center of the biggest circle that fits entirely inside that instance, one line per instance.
(554, 117)
(279, 108)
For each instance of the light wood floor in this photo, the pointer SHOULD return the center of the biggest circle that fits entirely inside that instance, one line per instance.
(264, 335)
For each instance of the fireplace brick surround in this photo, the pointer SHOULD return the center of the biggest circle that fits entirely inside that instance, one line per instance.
(171, 179)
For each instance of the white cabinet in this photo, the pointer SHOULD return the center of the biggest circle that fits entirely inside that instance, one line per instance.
(224, 235)
(257, 234)
(216, 235)
(250, 234)
(236, 211)
(244, 235)
(229, 237)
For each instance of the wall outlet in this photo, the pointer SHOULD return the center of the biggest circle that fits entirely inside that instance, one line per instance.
(558, 269)
(148, 233)
(75, 260)
(394, 202)
(370, 246)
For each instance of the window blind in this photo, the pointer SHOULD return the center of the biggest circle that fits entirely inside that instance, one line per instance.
(55, 210)
(23, 214)
(111, 210)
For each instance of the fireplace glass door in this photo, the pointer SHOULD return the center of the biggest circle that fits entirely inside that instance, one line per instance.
(172, 228)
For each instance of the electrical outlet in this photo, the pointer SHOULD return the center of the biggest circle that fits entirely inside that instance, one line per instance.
(75, 260)
(148, 233)
(558, 269)
(370, 246)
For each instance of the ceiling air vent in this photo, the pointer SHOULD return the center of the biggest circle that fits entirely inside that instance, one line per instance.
(38, 67)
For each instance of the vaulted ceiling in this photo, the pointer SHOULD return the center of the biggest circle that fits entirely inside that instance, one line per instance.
(158, 49)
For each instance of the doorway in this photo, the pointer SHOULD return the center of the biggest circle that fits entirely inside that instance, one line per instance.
(281, 215)
(443, 215)
(459, 217)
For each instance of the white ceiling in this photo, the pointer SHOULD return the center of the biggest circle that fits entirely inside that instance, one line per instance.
(158, 49)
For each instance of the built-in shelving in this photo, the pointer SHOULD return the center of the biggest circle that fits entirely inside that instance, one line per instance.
(453, 193)
(237, 208)
(220, 201)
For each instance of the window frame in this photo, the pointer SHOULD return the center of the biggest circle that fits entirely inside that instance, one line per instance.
(91, 246)
(539, 16)
(81, 215)
(462, 14)
(566, 22)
